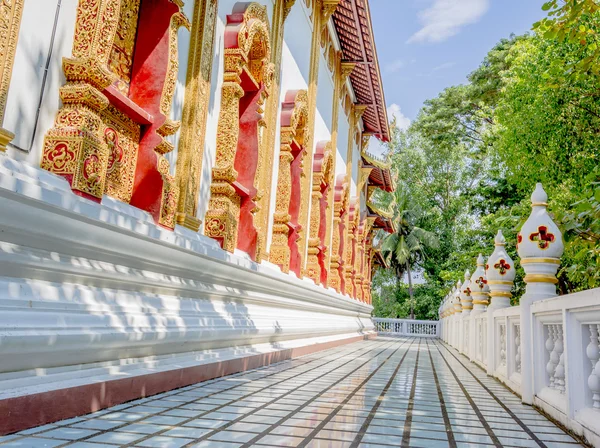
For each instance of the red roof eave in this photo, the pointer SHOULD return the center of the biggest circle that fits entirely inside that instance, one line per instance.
(352, 21)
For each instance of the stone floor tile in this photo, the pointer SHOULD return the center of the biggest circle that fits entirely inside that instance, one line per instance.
(117, 438)
(66, 433)
(142, 428)
(233, 436)
(164, 442)
(31, 442)
(277, 440)
(338, 391)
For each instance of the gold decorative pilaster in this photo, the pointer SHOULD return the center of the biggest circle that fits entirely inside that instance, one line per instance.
(293, 126)
(251, 54)
(338, 240)
(320, 14)
(264, 173)
(11, 12)
(351, 240)
(321, 182)
(356, 111)
(338, 80)
(195, 112)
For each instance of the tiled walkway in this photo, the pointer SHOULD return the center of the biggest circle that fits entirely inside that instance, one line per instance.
(380, 393)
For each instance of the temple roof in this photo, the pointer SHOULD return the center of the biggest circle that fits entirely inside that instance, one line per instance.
(383, 218)
(381, 175)
(352, 21)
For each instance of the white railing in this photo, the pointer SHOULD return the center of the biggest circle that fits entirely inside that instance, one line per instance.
(564, 342)
(547, 349)
(407, 327)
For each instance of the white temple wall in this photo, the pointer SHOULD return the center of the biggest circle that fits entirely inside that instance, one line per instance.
(183, 50)
(292, 78)
(214, 104)
(355, 162)
(32, 87)
(342, 142)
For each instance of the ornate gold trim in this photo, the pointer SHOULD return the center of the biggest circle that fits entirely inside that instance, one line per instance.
(540, 278)
(195, 112)
(500, 294)
(11, 12)
(540, 260)
(317, 15)
(480, 302)
(279, 249)
(252, 55)
(323, 176)
(499, 282)
(264, 174)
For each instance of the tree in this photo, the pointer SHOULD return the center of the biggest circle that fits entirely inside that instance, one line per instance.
(405, 248)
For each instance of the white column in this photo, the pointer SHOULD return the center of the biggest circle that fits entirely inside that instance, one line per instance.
(500, 272)
(540, 247)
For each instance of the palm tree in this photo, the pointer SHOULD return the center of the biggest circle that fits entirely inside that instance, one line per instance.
(405, 248)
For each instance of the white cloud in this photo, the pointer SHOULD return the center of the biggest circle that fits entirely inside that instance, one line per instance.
(402, 121)
(394, 66)
(445, 18)
(443, 66)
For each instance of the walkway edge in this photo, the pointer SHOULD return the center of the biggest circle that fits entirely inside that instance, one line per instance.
(32, 410)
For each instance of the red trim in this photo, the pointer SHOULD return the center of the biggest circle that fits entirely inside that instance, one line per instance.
(28, 411)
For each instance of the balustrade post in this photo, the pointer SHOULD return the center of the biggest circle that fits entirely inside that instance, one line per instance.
(466, 301)
(540, 246)
(479, 294)
(458, 316)
(593, 353)
(500, 272)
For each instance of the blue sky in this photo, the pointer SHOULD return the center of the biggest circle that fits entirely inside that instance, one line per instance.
(427, 45)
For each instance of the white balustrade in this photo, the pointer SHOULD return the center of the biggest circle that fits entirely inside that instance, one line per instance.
(546, 349)
(406, 327)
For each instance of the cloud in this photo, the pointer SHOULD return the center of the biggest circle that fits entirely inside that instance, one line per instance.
(443, 66)
(444, 19)
(394, 66)
(402, 121)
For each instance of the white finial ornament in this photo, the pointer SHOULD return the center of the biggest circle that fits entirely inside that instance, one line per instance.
(540, 246)
(465, 294)
(456, 301)
(479, 287)
(500, 272)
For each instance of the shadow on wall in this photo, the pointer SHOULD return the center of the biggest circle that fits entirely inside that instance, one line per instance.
(28, 111)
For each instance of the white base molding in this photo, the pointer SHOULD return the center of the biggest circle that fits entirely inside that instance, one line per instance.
(99, 306)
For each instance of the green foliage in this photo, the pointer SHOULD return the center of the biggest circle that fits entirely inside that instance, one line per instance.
(469, 162)
(574, 22)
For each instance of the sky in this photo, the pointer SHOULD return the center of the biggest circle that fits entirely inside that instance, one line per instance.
(425, 46)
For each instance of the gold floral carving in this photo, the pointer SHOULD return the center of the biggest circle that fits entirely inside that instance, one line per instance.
(336, 267)
(323, 9)
(177, 21)
(120, 61)
(252, 54)
(322, 179)
(92, 143)
(292, 134)
(10, 21)
(264, 173)
(338, 81)
(195, 112)
(77, 146)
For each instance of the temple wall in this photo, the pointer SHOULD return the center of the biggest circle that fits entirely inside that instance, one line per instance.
(183, 50)
(92, 284)
(33, 87)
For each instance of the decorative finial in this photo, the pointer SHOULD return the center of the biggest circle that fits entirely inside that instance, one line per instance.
(539, 196)
(500, 273)
(499, 240)
(479, 287)
(540, 246)
(465, 294)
